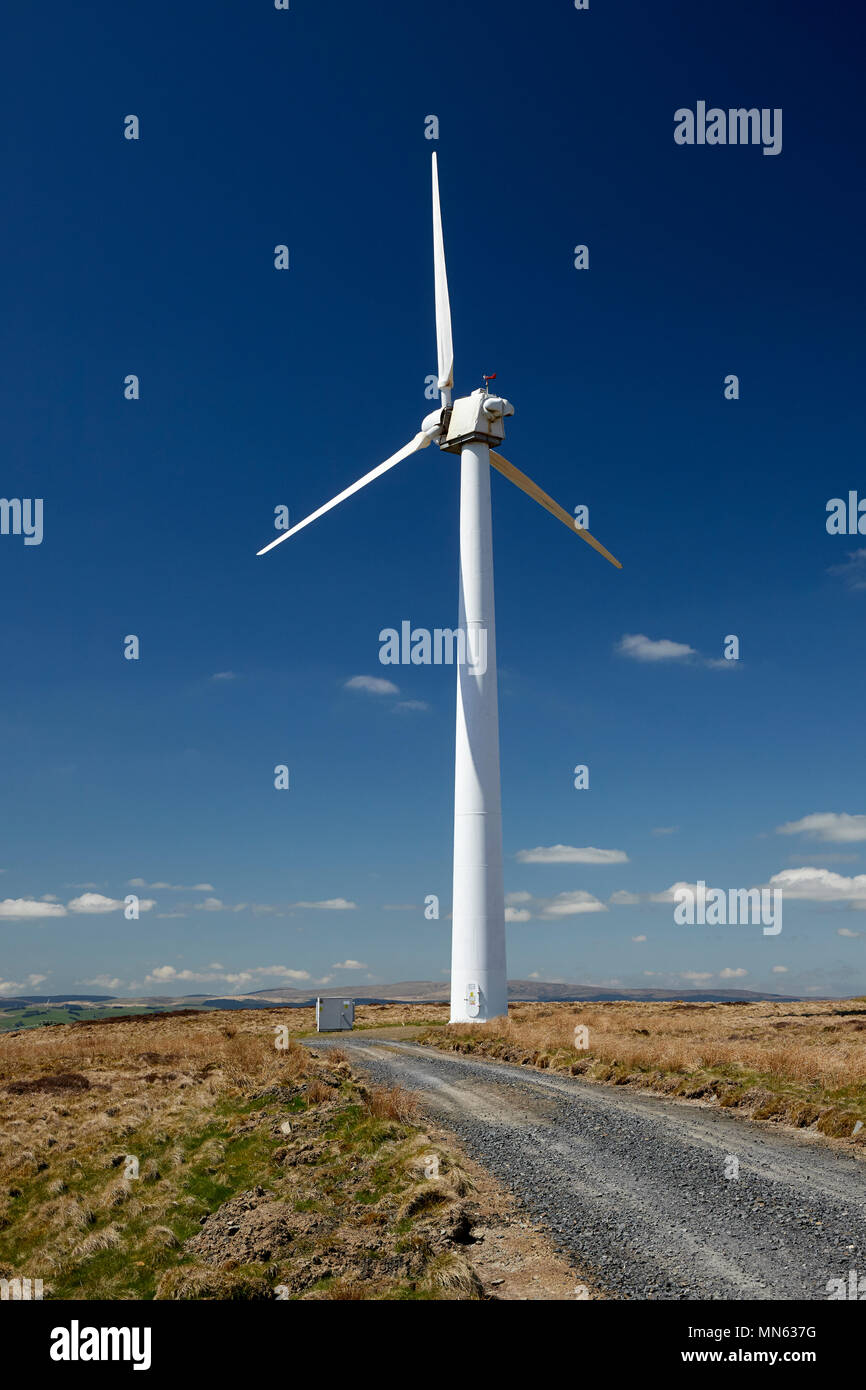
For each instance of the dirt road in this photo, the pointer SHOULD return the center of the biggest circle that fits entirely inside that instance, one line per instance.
(640, 1190)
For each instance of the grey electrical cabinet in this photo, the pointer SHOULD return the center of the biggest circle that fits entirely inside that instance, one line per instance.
(334, 1014)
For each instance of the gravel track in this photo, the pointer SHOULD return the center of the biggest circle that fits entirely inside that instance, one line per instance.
(632, 1187)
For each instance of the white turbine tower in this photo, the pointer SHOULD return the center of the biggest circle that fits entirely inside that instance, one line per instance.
(468, 427)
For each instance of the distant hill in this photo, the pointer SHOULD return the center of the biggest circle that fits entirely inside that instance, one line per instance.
(60, 1008)
(21, 1000)
(527, 991)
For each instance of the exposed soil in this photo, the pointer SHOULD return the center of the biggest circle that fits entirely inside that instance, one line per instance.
(61, 1081)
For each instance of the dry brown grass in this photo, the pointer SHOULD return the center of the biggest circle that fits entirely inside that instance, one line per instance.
(318, 1092)
(76, 1100)
(391, 1103)
(214, 1112)
(452, 1274)
(802, 1062)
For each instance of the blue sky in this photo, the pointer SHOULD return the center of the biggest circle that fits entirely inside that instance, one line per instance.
(262, 388)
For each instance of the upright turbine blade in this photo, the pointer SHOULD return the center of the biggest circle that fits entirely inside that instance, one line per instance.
(444, 342)
(420, 441)
(534, 491)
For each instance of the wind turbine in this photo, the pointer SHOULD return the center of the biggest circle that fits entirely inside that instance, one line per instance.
(468, 427)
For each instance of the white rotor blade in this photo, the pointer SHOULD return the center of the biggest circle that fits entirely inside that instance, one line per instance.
(538, 495)
(420, 441)
(444, 343)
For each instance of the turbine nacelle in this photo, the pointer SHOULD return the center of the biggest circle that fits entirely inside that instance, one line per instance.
(479, 417)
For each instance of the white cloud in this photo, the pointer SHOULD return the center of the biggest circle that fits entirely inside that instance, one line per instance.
(104, 982)
(853, 569)
(568, 854)
(164, 974)
(820, 885)
(372, 685)
(780, 969)
(571, 904)
(330, 905)
(11, 987)
(281, 971)
(641, 648)
(846, 931)
(224, 676)
(276, 909)
(729, 974)
(621, 898)
(95, 904)
(22, 908)
(638, 938)
(697, 977)
(349, 965)
(810, 884)
(412, 705)
(665, 829)
(838, 827)
(667, 895)
(172, 887)
(638, 647)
